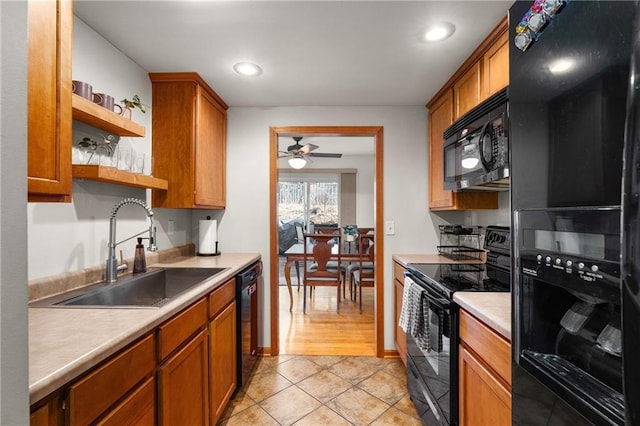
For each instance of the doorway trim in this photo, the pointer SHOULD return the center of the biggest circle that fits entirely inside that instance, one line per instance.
(376, 132)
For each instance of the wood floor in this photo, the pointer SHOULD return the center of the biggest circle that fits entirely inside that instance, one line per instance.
(322, 331)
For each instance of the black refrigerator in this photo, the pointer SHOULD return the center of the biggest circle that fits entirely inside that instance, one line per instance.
(630, 268)
(575, 317)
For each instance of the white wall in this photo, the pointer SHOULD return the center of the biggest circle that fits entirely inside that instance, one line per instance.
(501, 217)
(69, 236)
(14, 372)
(244, 226)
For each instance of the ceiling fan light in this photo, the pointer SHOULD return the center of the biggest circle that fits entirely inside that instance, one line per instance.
(297, 162)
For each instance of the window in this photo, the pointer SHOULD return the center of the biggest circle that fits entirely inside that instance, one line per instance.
(309, 197)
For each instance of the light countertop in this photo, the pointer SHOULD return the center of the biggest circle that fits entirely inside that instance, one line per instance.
(493, 309)
(66, 342)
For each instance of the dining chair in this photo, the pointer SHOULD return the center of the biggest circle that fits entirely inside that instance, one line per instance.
(327, 230)
(316, 269)
(363, 231)
(356, 266)
(334, 230)
(299, 233)
(299, 240)
(364, 276)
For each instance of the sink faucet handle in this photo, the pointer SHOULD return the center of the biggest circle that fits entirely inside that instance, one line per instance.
(152, 236)
(122, 266)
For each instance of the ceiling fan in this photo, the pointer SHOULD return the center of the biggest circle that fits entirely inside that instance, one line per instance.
(299, 155)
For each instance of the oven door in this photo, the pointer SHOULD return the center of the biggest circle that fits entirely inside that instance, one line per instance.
(432, 371)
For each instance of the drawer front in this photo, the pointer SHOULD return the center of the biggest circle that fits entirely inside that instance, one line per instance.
(175, 331)
(221, 297)
(398, 272)
(492, 348)
(137, 409)
(92, 395)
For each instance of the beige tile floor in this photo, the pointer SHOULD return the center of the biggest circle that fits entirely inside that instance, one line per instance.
(324, 390)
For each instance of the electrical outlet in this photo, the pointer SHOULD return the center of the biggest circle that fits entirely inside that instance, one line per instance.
(468, 219)
(390, 227)
(170, 227)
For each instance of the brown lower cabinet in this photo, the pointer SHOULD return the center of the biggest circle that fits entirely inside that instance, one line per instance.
(48, 412)
(485, 374)
(92, 396)
(181, 373)
(182, 385)
(400, 335)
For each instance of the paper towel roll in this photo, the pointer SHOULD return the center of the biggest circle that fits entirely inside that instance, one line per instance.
(208, 236)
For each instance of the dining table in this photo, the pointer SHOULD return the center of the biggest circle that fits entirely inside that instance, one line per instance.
(295, 255)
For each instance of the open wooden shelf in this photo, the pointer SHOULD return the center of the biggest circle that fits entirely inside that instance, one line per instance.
(93, 114)
(119, 177)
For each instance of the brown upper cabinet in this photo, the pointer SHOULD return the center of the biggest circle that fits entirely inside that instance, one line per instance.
(440, 117)
(466, 90)
(50, 39)
(189, 141)
(485, 72)
(52, 107)
(496, 66)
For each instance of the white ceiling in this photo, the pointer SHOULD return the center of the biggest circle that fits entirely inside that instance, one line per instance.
(324, 53)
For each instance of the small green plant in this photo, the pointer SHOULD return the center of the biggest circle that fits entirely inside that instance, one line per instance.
(135, 102)
(94, 146)
(350, 229)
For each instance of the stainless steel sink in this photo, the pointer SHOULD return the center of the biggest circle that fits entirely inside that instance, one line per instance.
(150, 289)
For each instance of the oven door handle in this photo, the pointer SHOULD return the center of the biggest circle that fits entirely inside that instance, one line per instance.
(441, 302)
(438, 301)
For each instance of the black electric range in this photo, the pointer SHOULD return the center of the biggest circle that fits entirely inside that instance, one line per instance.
(446, 278)
(432, 368)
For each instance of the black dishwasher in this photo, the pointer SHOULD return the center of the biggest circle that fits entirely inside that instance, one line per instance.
(247, 283)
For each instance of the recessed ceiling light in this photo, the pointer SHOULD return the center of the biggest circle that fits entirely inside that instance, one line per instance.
(247, 68)
(561, 65)
(439, 32)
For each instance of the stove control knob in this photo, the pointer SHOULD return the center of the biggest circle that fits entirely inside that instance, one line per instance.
(568, 263)
(539, 257)
(548, 259)
(580, 265)
(558, 261)
(594, 268)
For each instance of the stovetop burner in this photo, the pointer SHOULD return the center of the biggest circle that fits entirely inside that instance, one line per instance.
(449, 278)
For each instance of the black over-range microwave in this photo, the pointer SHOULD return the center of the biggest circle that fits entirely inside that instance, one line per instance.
(476, 148)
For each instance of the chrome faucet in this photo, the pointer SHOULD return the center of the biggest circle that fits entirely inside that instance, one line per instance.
(112, 270)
